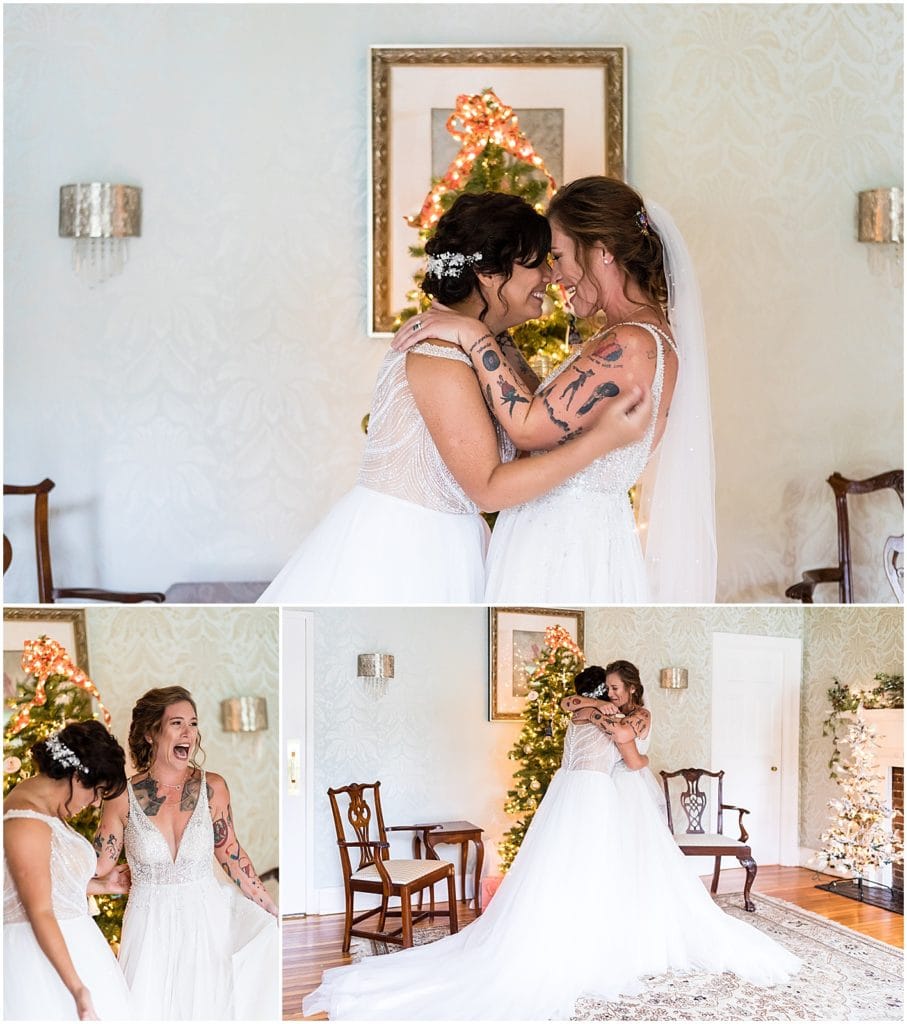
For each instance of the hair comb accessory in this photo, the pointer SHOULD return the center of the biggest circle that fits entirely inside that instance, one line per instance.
(599, 692)
(450, 264)
(642, 219)
(63, 755)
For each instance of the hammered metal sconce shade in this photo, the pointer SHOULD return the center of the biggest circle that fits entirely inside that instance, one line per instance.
(244, 714)
(375, 666)
(674, 678)
(100, 217)
(881, 215)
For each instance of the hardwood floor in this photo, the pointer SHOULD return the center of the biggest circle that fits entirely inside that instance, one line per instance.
(312, 944)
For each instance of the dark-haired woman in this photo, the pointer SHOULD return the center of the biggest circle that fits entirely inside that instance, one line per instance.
(626, 259)
(192, 947)
(56, 963)
(410, 531)
(597, 899)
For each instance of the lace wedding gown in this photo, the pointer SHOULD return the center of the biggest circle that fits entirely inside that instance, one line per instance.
(193, 947)
(578, 543)
(568, 918)
(406, 533)
(32, 989)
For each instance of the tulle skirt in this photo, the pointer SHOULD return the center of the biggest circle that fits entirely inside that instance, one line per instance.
(373, 548)
(199, 951)
(569, 548)
(597, 898)
(32, 989)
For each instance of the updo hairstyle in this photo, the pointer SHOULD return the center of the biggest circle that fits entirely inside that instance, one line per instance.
(504, 228)
(99, 753)
(605, 211)
(591, 678)
(629, 673)
(147, 716)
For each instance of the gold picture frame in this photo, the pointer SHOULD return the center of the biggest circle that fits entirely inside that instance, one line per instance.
(65, 625)
(585, 84)
(516, 636)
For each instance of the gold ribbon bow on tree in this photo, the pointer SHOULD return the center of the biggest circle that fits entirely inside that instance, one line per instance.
(476, 121)
(44, 658)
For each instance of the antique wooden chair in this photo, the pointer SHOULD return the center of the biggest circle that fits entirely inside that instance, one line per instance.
(355, 808)
(842, 573)
(694, 841)
(47, 592)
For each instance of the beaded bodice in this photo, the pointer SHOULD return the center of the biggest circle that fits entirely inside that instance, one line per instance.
(401, 458)
(587, 748)
(72, 864)
(149, 855)
(618, 470)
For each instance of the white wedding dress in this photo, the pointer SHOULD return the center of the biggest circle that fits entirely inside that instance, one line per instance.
(570, 918)
(193, 948)
(578, 543)
(406, 533)
(32, 989)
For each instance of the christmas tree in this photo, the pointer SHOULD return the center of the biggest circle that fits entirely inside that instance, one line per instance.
(56, 691)
(859, 837)
(496, 156)
(540, 745)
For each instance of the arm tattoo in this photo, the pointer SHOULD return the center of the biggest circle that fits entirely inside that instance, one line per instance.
(562, 424)
(479, 341)
(607, 390)
(607, 351)
(108, 844)
(146, 795)
(490, 360)
(509, 394)
(573, 387)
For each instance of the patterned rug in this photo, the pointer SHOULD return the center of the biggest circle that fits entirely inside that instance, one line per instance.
(845, 976)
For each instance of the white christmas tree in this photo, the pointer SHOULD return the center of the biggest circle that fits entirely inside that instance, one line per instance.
(860, 836)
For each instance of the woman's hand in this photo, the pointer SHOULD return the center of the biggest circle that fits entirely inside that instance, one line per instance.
(440, 323)
(84, 1005)
(115, 883)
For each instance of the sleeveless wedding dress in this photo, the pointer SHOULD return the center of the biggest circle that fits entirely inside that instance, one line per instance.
(566, 921)
(406, 533)
(193, 948)
(32, 989)
(578, 543)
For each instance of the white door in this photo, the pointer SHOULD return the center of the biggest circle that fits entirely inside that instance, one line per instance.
(297, 761)
(756, 736)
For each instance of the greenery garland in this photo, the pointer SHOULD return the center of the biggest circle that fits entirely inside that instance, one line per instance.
(888, 692)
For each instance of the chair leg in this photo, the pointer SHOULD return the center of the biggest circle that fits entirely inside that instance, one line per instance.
(382, 914)
(406, 916)
(750, 866)
(452, 902)
(431, 902)
(715, 875)
(348, 923)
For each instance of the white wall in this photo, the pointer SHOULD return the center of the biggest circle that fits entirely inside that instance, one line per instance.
(200, 412)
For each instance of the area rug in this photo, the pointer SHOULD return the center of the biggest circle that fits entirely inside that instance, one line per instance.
(845, 976)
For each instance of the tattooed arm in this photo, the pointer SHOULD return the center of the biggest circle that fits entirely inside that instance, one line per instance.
(230, 855)
(626, 732)
(451, 403)
(610, 362)
(108, 840)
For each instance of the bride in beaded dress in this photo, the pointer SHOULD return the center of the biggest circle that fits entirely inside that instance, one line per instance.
(57, 964)
(629, 261)
(193, 947)
(597, 898)
(410, 531)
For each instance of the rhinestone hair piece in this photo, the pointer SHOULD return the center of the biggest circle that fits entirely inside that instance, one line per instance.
(63, 755)
(642, 219)
(450, 264)
(600, 691)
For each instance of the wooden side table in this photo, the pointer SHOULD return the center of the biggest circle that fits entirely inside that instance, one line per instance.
(457, 833)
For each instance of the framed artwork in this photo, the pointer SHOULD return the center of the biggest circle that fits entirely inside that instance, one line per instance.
(516, 638)
(570, 102)
(65, 625)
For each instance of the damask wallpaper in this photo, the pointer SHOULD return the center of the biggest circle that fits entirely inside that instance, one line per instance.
(200, 412)
(215, 653)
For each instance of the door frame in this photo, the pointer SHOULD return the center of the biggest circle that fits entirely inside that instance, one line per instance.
(791, 649)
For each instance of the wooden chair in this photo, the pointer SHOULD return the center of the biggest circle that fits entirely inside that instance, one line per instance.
(694, 841)
(47, 592)
(376, 873)
(842, 573)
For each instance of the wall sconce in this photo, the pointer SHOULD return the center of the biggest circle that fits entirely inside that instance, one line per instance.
(244, 714)
(880, 220)
(100, 217)
(674, 679)
(374, 670)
